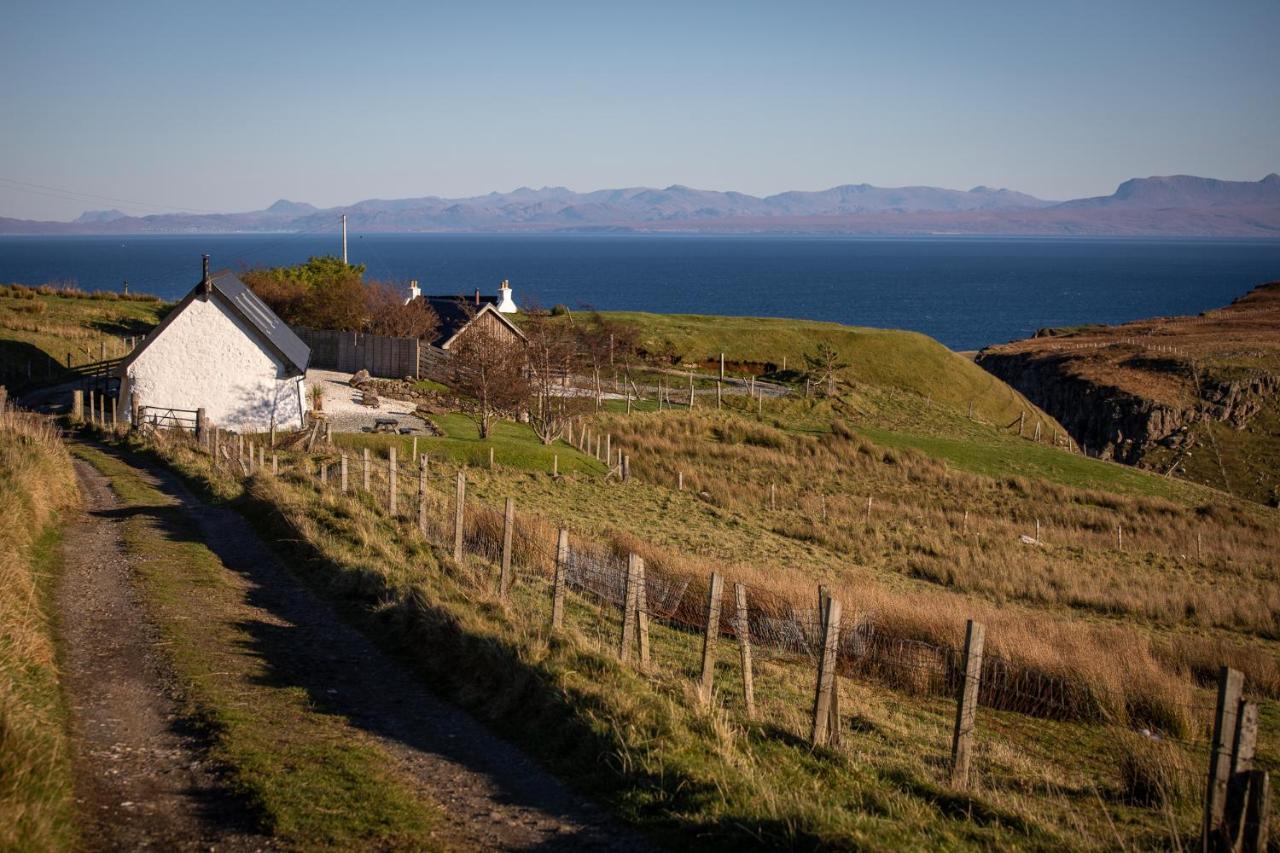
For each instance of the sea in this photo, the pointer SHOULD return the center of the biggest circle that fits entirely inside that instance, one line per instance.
(965, 292)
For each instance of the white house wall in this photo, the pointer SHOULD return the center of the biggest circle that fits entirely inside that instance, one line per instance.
(208, 358)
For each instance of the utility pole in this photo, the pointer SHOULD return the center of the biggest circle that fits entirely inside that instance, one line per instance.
(344, 239)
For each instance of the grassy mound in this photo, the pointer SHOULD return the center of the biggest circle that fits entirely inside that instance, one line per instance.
(881, 358)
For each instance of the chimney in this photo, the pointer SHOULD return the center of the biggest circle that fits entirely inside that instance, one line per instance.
(506, 304)
(414, 291)
(202, 289)
(477, 297)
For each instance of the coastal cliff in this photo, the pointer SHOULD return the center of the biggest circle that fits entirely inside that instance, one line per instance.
(1198, 397)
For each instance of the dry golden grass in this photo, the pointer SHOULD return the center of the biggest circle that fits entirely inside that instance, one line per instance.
(706, 771)
(1138, 626)
(36, 483)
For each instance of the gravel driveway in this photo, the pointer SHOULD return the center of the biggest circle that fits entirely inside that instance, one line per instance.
(344, 410)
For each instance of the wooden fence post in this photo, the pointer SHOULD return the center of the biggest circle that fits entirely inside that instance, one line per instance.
(342, 470)
(275, 465)
(710, 634)
(555, 465)
(1244, 745)
(626, 467)
(642, 611)
(391, 479)
(77, 405)
(743, 629)
(422, 495)
(460, 499)
(491, 457)
(557, 589)
(833, 730)
(1258, 812)
(367, 465)
(967, 704)
(1230, 685)
(201, 424)
(628, 608)
(821, 734)
(324, 473)
(508, 523)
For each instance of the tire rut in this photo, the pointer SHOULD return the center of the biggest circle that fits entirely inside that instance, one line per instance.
(141, 779)
(492, 795)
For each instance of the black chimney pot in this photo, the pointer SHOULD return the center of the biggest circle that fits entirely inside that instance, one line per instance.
(203, 288)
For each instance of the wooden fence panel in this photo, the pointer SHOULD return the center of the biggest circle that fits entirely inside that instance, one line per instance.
(388, 357)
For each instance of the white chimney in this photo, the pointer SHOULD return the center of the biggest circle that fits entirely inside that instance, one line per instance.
(505, 303)
(414, 291)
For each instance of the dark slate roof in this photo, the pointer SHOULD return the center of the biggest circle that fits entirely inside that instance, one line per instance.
(248, 307)
(255, 312)
(455, 312)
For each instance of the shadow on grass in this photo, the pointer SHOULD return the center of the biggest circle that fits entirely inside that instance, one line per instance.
(306, 645)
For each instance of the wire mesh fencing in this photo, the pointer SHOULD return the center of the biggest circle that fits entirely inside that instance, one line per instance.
(776, 626)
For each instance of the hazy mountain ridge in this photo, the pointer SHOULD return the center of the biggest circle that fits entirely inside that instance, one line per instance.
(1178, 205)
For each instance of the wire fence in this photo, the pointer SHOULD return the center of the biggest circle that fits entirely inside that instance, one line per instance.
(425, 497)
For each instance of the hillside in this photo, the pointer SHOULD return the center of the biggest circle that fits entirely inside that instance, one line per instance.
(1198, 397)
(43, 330)
(914, 516)
(876, 358)
(1110, 595)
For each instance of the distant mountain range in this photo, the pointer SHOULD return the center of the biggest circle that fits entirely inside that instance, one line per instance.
(1179, 205)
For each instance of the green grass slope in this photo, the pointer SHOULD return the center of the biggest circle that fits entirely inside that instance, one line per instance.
(883, 358)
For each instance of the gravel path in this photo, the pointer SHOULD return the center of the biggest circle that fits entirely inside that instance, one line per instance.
(493, 796)
(141, 782)
(343, 409)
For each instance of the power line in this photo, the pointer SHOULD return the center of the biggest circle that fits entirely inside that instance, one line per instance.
(76, 195)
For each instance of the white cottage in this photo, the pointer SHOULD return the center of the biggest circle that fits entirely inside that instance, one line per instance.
(222, 350)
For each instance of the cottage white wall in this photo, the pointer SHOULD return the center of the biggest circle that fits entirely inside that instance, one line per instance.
(208, 358)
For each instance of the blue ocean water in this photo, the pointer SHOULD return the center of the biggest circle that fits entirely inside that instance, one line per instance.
(966, 292)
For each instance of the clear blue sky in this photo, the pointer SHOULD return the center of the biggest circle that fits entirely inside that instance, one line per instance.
(229, 106)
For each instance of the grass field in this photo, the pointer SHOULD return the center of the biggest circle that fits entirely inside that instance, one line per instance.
(879, 358)
(640, 740)
(41, 327)
(36, 487)
(916, 510)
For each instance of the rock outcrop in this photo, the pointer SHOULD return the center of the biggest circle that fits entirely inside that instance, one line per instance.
(1196, 396)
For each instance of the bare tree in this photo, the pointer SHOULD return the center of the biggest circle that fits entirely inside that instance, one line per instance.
(389, 314)
(552, 356)
(822, 366)
(489, 375)
(603, 344)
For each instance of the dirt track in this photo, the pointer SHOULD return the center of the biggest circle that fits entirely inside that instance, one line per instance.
(142, 781)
